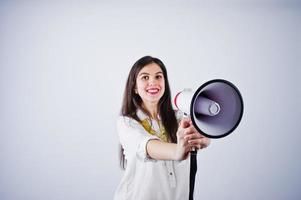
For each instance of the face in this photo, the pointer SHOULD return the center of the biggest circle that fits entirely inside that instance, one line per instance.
(150, 83)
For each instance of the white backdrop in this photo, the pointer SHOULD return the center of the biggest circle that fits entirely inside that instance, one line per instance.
(63, 67)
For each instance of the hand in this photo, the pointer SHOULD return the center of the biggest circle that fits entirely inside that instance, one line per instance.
(182, 148)
(187, 138)
(196, 139)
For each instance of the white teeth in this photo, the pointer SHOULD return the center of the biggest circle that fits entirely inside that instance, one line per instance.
(152, 90)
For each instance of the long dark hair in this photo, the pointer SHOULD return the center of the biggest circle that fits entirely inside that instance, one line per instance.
(132, 101)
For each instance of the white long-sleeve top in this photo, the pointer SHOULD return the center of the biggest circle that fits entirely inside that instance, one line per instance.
(145, 178)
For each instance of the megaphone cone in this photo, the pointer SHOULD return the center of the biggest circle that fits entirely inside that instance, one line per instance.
(215, 108)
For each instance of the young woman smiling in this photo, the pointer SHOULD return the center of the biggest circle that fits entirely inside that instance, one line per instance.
(155, 140)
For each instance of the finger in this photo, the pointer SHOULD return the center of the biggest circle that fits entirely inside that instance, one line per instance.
(190, 134)
(195, 147)
(185, 122)
(194, 141)
(206, 142)
(190, 130)
(195, 130)
(203, 142)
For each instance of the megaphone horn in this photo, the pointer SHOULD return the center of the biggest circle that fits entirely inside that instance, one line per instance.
(215, 108)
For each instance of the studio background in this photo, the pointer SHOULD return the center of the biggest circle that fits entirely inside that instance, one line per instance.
(63, 67)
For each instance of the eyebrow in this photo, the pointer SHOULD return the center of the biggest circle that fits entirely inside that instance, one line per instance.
(144, 73)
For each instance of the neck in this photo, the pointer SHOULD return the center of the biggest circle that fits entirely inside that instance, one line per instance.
(152, 108)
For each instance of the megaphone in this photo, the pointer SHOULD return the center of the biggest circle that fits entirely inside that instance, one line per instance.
(215, 108)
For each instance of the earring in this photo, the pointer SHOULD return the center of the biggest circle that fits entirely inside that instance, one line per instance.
(136, 92)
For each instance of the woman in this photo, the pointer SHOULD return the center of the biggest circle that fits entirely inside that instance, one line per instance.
(155, 147)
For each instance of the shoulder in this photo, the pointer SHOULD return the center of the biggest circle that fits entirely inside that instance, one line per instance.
(124, 121)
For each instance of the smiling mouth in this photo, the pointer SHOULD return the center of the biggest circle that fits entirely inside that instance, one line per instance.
(152, 91)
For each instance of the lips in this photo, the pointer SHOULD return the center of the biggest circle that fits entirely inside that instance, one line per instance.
(152, 91)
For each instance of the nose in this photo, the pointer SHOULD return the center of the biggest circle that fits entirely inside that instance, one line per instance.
(152, 81)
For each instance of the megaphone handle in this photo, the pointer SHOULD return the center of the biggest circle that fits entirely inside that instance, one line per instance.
(193, 170)
(193, 167)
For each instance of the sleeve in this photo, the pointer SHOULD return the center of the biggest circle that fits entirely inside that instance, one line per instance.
(133, 138)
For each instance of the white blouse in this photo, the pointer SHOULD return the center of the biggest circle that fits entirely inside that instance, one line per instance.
(145, 178)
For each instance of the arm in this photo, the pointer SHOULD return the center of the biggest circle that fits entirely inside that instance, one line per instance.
(159, 150)
(133, 138)
(172, 151)
(187, 137)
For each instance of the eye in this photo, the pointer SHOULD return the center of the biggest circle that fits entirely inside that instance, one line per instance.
(144, 77)
(159, 76)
